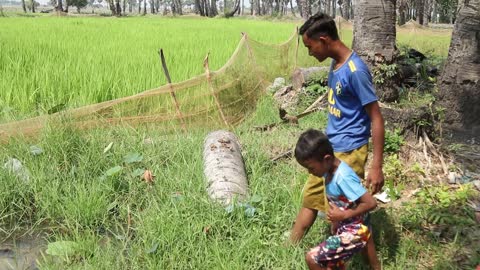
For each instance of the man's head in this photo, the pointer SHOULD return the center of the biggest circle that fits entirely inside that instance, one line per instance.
(314, 152)
(318, 33)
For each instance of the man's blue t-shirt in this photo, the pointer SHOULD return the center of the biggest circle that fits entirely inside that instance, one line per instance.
(350, 88)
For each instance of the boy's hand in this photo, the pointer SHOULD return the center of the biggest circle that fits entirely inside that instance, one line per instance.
(334, 227)
(335, 214)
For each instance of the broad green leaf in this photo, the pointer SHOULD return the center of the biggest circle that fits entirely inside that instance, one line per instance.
(230, 208)
(36, 150)
(138, 172)
(63, 248)
(256, 198)
(113, 171)
(250, 211)
(153, 248)
(133, 157)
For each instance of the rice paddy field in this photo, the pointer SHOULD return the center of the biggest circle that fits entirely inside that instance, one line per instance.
(84, 205)
(48, 61)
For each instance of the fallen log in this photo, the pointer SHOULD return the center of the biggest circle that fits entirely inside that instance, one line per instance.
(224, 167)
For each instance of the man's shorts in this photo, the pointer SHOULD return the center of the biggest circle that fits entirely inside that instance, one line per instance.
(314, 196)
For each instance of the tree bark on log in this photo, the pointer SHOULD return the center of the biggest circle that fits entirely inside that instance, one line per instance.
(224, 167)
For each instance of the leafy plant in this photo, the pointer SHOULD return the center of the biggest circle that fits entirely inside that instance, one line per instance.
(393, 141)
(384, 72)
(394, 176)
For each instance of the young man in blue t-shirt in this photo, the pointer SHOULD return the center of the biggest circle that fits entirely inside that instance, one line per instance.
(353, 111)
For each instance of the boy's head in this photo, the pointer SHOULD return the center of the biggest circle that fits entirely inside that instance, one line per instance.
(314, 152)
(318, 33)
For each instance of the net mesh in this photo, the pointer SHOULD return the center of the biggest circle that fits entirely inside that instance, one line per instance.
(215, 99)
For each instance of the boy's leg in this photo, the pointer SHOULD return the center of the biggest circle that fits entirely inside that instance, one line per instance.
(312, 265)
(357, 159)
(370, 254)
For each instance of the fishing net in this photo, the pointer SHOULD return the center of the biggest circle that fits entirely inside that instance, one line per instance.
(215, 99)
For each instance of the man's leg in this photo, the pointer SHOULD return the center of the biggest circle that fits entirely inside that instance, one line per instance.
(356, 159)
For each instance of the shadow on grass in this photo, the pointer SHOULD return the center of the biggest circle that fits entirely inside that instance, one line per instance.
(386, 239)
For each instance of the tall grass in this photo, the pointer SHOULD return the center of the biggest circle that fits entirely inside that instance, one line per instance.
(117, 221)
(50, 61)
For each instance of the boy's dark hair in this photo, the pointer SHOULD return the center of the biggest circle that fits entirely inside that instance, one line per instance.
(318, 25)
(312, 144)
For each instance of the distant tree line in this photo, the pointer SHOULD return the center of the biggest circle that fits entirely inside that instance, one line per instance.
(422, 11)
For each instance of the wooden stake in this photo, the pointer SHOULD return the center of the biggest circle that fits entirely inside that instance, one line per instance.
(172, 92)
(296, 50)
(210, 84)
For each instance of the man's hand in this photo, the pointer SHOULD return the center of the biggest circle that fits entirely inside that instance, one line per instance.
(375, 180)
(375, 175)
(334, 214)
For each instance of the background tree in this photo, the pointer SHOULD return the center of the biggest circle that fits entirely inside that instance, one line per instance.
(459, 88)
(32, 5)
(24, 7)
(374, 37)
(231, 7)
(79, 4)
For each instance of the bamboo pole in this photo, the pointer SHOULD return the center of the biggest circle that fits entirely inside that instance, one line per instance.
(172, 92)
(210, 84)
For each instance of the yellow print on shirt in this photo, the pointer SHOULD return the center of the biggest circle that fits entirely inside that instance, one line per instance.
(331, 109)
(331, 100)
(334, 111)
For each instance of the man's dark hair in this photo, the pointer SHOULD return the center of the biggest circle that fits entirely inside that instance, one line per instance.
(319, 25)
(312, 144)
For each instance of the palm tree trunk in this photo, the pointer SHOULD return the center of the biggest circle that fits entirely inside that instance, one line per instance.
(305, 10)
(213, 8)
(24, 7)
(459, 87)
(374, 37)
(118, 8)
(420, 10)
(59, 6)
(402, 6)
(374, 32)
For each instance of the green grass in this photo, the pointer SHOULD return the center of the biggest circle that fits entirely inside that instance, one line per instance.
(47, 61)
(174, 225)
(116, 221)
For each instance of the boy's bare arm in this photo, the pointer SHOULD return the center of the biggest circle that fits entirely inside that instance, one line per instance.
(364, 204)
(375, 175)
(305, 219)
